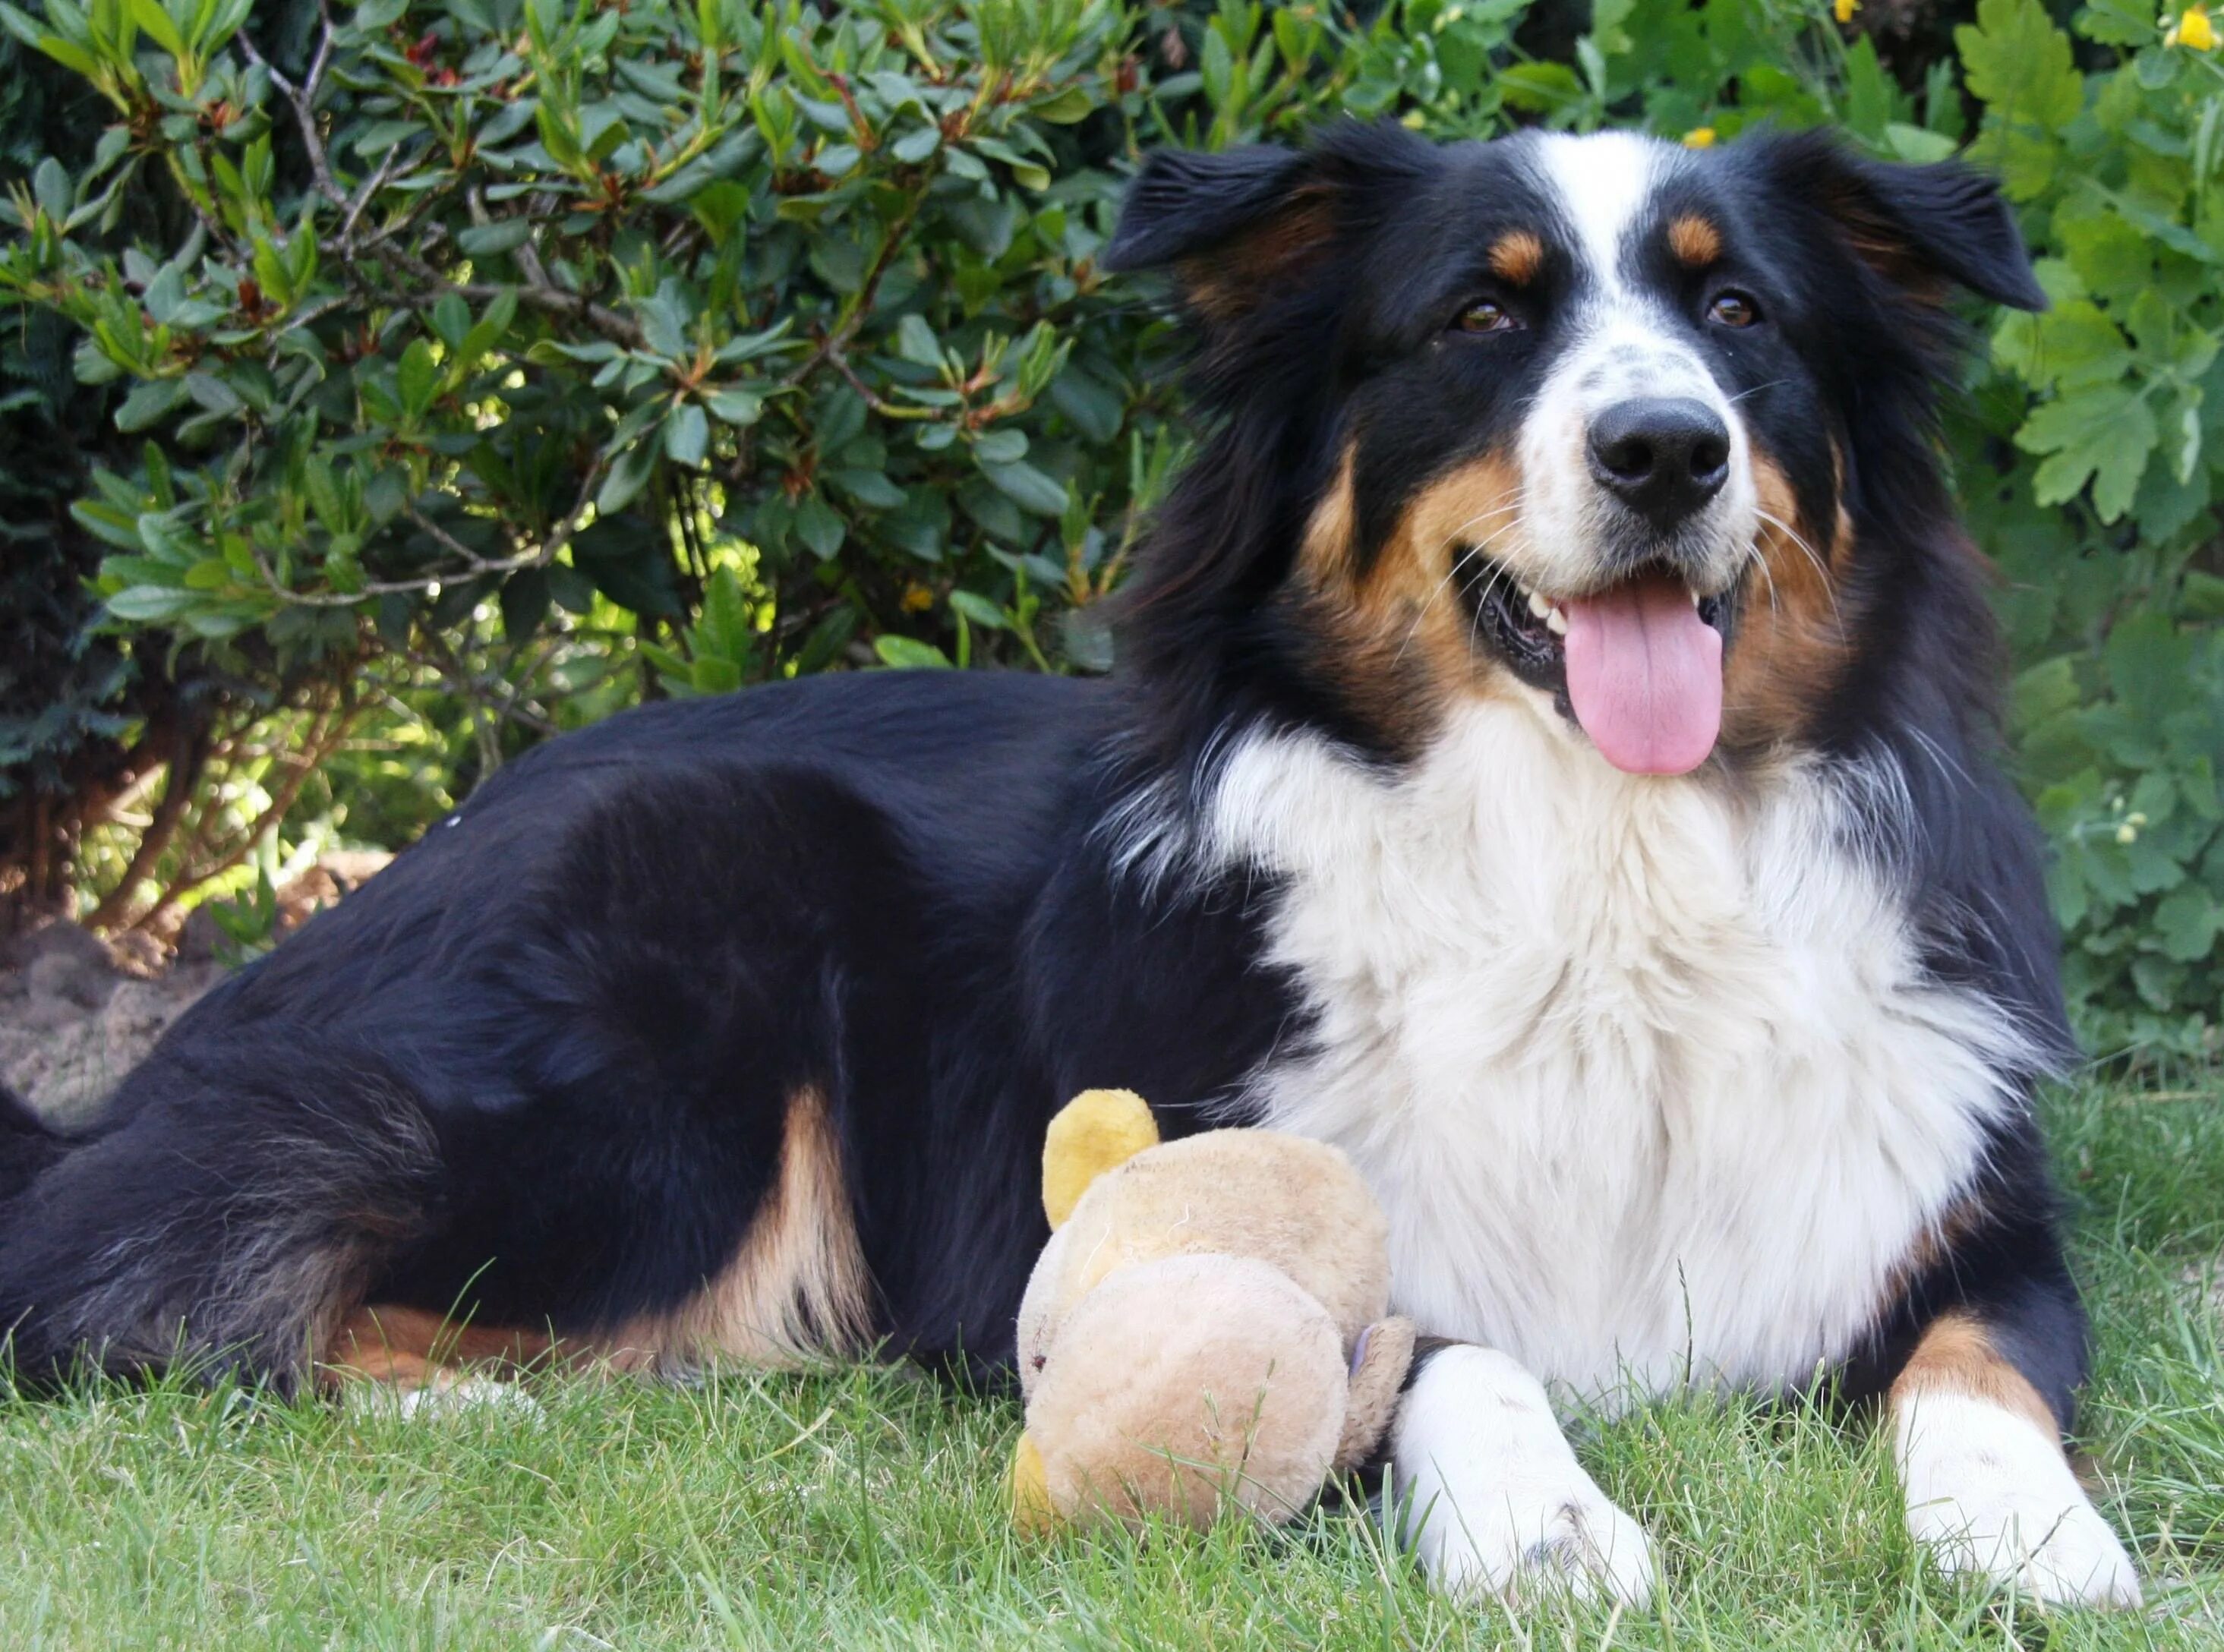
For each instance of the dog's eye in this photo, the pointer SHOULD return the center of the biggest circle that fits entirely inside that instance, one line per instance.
(1733, 310)
(1487, 317)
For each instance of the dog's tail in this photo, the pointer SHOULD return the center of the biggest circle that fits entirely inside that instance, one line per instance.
(231, 1209)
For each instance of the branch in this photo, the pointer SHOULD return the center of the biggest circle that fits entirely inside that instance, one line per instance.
(537, 290)
(319, 746)
(474, 564)
(303, 99)
(185, 768)
(854, 318)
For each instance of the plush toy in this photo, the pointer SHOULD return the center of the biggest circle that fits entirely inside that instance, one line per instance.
(1207, 1327)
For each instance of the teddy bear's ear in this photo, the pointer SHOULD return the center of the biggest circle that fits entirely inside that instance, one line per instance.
(1379, 1364)
(1098, 1131)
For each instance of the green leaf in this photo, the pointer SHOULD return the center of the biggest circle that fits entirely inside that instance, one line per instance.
(686, 435)
(451, 319)
(868, 487)
(149, 403)
(629, 473)
(2017, 60)
(2105, 435)
(150, 604)
(485, 240)
(417, 377)
(916, 342)
(820, 527)
(1027, 488)
(150, 15)
(916, 145)
(1916, 144)
(1066, 108)
(980, 610)
(736, 407)
(908, 653)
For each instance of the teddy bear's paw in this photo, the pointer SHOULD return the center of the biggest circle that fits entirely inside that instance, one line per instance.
(1492, 1499)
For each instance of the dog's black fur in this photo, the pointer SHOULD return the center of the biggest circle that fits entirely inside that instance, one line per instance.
(536, 1071)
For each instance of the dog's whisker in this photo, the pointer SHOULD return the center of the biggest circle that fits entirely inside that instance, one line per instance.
(1822, 569)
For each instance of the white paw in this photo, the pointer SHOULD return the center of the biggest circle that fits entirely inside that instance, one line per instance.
(2056, 1555)
(1537, 1542)
(1493, 1500)
(1991, 1496)
(447, 1396)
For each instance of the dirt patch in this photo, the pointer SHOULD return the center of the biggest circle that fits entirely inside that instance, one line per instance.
(75, 1015)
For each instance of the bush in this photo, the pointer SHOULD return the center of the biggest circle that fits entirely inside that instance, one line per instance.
(502, 361)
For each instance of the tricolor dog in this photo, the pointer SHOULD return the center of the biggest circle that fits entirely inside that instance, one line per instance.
(1551, 759)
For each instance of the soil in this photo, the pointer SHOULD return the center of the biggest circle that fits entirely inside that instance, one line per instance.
(77, 1013)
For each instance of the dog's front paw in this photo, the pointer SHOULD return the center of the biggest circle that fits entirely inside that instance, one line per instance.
(1990, 1495)
(1492, 1499)
(1526, 1543)
(2055, 1554)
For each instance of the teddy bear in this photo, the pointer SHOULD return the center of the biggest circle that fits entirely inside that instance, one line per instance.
(1208, 1327)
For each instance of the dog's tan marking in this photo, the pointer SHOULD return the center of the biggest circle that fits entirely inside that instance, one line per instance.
(411, 1347)
(1955, 1356)
(796, 1291)
(1795, 625)
(1694, 240)
(1393, 627)
(1517, 256)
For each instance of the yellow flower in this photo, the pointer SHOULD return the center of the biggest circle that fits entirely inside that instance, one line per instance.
(1843, 10)
(2192, 28)
(1699, 137)
(917, 599)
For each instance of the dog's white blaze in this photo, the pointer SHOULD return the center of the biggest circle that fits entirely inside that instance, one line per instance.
(1990, 1493)
(1624, 345)
(1645, 1073)
(1603, 181)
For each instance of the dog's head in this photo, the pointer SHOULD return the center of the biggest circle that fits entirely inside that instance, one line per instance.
(1597, 421)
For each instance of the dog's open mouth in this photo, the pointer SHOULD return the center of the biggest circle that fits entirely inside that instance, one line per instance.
(1638, 665)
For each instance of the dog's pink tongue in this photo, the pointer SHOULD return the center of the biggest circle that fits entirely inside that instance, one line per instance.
(1645, 675)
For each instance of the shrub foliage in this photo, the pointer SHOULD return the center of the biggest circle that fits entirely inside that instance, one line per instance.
(449, 373)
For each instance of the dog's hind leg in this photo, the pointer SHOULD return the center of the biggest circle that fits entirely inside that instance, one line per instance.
(238, 1200)
(418, 1362)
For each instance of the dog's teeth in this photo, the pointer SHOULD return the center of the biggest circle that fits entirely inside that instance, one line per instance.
(1557, 623)
(1538, 606)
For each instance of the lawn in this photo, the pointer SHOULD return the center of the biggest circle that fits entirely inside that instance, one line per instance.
(865, 1509)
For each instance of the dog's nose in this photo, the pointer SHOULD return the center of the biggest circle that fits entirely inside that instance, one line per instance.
(1663, 457)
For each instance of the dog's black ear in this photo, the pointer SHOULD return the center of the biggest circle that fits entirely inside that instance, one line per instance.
(1226, 224)
(1185, 203)
(1919, 226)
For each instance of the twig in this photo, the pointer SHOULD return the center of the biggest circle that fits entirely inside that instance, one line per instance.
(185, 770)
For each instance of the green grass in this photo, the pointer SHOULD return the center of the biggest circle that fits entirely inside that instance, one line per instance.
(865, 1510)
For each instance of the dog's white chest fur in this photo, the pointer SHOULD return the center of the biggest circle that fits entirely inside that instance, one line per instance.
(1647, 1076)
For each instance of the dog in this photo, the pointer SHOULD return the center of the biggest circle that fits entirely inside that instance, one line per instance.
(1551, 759)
